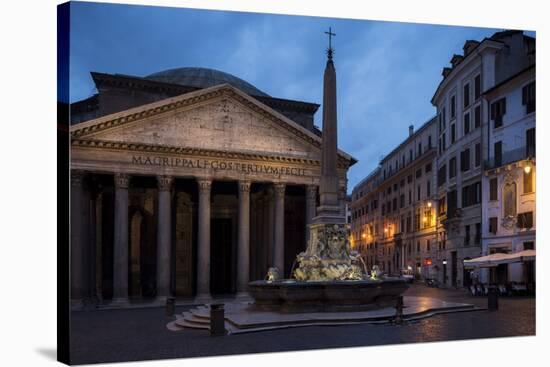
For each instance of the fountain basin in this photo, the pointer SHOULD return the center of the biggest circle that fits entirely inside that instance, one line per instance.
(308, 296)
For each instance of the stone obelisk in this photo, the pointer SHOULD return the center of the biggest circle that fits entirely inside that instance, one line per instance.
(329, 211)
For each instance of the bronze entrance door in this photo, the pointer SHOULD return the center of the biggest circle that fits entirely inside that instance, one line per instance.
(222, 264)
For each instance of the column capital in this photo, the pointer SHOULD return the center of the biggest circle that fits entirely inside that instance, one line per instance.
(244, 186)
(122, 180)
(77, 177)
(205, 185)
(164, 183)
(279, 188)
(311, 191)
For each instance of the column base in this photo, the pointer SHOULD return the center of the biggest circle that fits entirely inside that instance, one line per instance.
(203, 298)
(120, 302)
(243, 296)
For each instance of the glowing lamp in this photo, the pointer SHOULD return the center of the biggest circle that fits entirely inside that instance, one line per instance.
(527, 169)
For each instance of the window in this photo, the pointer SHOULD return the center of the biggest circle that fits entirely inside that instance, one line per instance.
(465, 160)
(418, 193)
(466, 123)
(477, 155)
(477, 117)
(420, 148)
(428, 168)
(428, 188)
(418, 173)
(401, 200)
(452, 167)
(525, 220)
(418, 246)
(528, 182)
(530, 143)
(471, 194)
(477, 87)
(429, 142)
(467, 235)
(493, 189)
(453, 107)
(410, 155)
(451, 203)
(442, 203)
(498, 153)
(466, 95)
(383, 208)
(453, 133)
(493, 225)
(394, 206)
(528, 97)
(409, 178)
(395, 186)
(409, 222)
(444, 139)
(529, 245)
(441, 175)
(410, 197)
(477, 238)
(498, 109)
(428, 245)
(402, 183)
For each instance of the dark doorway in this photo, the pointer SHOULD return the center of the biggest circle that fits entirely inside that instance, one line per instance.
(499, 274)
(221, 256)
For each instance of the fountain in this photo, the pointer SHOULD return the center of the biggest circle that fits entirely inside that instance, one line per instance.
(329, 276)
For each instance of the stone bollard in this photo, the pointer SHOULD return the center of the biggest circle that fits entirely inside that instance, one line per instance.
(170, 306)
(492, 299)
(217, 320)
(399, 311)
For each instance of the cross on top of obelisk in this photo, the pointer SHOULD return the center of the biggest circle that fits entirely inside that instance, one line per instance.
(330, 34)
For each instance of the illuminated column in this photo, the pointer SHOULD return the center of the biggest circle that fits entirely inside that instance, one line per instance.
(203, 251)
(120, 259)
(243, 256)
(279, 225)
(164, 240)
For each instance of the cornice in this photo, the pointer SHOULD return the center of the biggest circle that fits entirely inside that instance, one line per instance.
(84, 129)
(165, 149)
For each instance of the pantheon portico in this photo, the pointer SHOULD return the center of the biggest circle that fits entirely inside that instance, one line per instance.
(191, 194)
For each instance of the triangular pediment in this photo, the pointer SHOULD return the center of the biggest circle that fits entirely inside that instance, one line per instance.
(220, 118)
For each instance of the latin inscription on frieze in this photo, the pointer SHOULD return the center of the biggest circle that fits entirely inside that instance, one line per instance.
(217, 165)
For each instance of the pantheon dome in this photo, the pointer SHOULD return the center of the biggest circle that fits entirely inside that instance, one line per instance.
(204, 78)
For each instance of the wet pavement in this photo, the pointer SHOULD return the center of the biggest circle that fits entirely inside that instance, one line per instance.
(141, 334)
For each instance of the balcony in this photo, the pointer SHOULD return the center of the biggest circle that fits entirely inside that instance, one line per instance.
(510, 157)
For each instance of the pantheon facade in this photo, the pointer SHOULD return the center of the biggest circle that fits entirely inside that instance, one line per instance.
(188, 183)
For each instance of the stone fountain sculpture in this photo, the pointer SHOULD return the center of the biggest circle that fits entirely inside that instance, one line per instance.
(329, 275)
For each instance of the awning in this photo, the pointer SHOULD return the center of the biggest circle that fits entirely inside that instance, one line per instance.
(500, 258)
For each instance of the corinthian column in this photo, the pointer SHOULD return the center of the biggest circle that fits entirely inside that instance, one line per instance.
(243, 253)
(203, 251)
(120, 259)
(164, 241)
(279, 242)
(80, 240)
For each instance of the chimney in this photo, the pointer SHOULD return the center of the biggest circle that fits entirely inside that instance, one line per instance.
(446, 71)
(411, 130)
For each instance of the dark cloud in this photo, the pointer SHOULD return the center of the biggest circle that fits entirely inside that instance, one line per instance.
(387, 72)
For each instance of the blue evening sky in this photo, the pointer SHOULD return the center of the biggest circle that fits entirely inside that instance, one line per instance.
(387, 72)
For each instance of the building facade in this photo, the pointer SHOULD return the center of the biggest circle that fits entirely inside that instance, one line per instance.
(509, 182)
(462, 156)
(188, 190)
(393, 209)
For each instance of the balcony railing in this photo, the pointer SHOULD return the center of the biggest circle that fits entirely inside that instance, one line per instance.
(509, 157)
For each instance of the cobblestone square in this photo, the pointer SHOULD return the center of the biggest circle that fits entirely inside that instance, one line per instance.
(140, 334)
